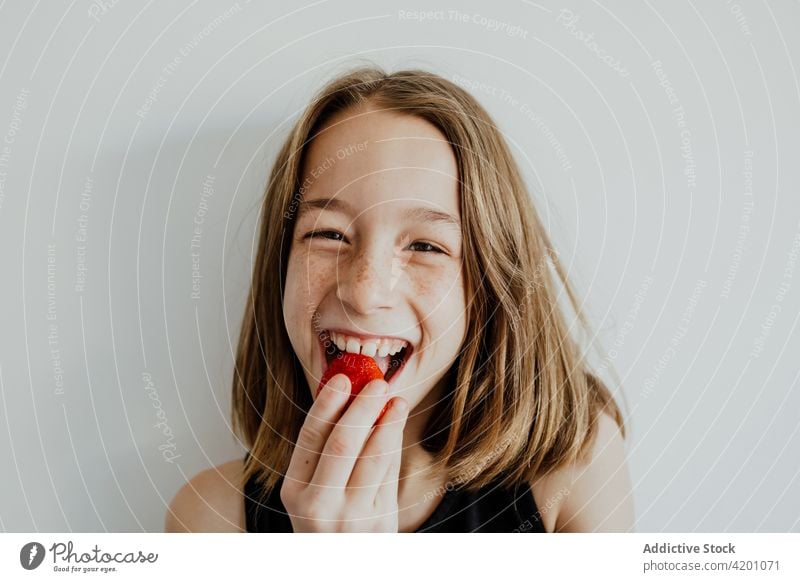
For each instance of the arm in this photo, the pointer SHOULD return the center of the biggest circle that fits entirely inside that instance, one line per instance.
(600, 496)
(211, 501)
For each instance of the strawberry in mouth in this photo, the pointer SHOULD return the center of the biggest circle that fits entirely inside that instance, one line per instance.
(378, 359)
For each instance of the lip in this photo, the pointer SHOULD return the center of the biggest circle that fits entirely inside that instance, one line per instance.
(325, 335)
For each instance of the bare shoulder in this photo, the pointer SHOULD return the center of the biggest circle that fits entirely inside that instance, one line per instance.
(591, 496)
(211, 501)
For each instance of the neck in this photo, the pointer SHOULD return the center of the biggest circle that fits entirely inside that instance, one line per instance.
(417, 463)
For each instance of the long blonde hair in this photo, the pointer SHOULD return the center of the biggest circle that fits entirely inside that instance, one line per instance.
(519, 401)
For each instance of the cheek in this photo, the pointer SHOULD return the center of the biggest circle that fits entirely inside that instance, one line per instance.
(307, 278)
(439, 287)
(436, 282)
(440, 296)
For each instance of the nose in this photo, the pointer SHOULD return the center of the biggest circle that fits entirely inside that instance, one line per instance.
(366, 283)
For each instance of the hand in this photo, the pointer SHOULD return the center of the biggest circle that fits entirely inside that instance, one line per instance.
(341, 477)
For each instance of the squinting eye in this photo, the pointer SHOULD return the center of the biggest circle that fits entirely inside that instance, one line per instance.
(339, 237)
(428, 247)
(325, 234)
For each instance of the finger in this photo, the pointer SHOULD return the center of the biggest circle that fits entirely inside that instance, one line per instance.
(348, 436)
(384, 445)
(386, 496)
(323, 415)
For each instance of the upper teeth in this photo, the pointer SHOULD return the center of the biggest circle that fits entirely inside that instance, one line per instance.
(368, 347)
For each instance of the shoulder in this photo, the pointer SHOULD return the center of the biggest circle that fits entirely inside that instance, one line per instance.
(211, 501)
(593, 495)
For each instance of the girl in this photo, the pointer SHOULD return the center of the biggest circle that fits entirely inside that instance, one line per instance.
(396, 225)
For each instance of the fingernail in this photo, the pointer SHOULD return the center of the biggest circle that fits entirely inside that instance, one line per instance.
(340, 382)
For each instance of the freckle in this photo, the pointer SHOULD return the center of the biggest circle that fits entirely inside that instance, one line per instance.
(435, 284)
(306, 461)
(363, 272)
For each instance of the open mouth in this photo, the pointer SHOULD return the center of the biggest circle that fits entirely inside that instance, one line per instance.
(389, 354)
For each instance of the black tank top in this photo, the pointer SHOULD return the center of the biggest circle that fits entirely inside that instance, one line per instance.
(491, 509)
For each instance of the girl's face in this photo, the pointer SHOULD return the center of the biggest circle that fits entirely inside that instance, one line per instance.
(375, 258)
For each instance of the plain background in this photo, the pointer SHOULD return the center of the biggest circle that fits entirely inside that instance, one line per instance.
(688, 265)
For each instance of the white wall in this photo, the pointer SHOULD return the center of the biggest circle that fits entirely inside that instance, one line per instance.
(652, 218)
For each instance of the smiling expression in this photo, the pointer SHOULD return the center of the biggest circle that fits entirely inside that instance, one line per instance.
(375, 262)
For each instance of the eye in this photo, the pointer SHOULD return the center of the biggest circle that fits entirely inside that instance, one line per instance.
(327, 234)
(427, 247)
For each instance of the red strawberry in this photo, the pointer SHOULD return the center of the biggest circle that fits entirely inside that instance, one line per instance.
(360, 369)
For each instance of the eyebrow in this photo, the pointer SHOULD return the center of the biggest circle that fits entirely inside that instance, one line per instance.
(425, 214)
(332, 204)
(417, 213)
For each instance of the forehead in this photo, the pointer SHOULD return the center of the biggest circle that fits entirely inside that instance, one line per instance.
(371, 157)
